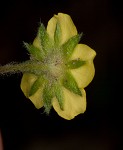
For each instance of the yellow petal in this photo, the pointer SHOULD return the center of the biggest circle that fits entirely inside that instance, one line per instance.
(26, 83)
(73, 104)
(84, 74)
(51, 27)
(36, 42)
(68, 28)
(83, 52)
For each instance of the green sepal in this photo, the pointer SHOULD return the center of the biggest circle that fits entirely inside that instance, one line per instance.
(59, 95)
(70, 84)
(36, 85)
(45, 40)
(57, 34)
(34, 51)
(69, 46)
(48, 94)
(73, 64)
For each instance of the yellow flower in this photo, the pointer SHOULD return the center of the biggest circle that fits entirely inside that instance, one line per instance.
(63, 68)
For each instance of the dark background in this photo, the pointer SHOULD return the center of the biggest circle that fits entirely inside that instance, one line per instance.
(99, 128)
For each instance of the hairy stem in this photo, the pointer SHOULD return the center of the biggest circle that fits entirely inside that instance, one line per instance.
(30, 66)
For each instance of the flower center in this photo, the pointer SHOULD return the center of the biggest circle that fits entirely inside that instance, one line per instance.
(55, 66)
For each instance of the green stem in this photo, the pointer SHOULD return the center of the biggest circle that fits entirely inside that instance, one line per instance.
(30, 66)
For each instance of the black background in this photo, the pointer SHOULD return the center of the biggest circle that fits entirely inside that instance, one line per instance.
(99, 128)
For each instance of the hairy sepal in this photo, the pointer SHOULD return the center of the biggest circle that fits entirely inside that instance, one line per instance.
(68, 46)
(36, 85)
(34, 51)
(45, 41)
(74, 64)
(70, 84)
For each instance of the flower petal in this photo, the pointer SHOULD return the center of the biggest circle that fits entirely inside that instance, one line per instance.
(85, 73)
(26, 83)
(68, 28)
(37, 42)
(51, 26)
(83, 52)
(73, 104)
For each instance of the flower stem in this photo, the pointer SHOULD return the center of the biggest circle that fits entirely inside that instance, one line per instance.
(30, 66)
